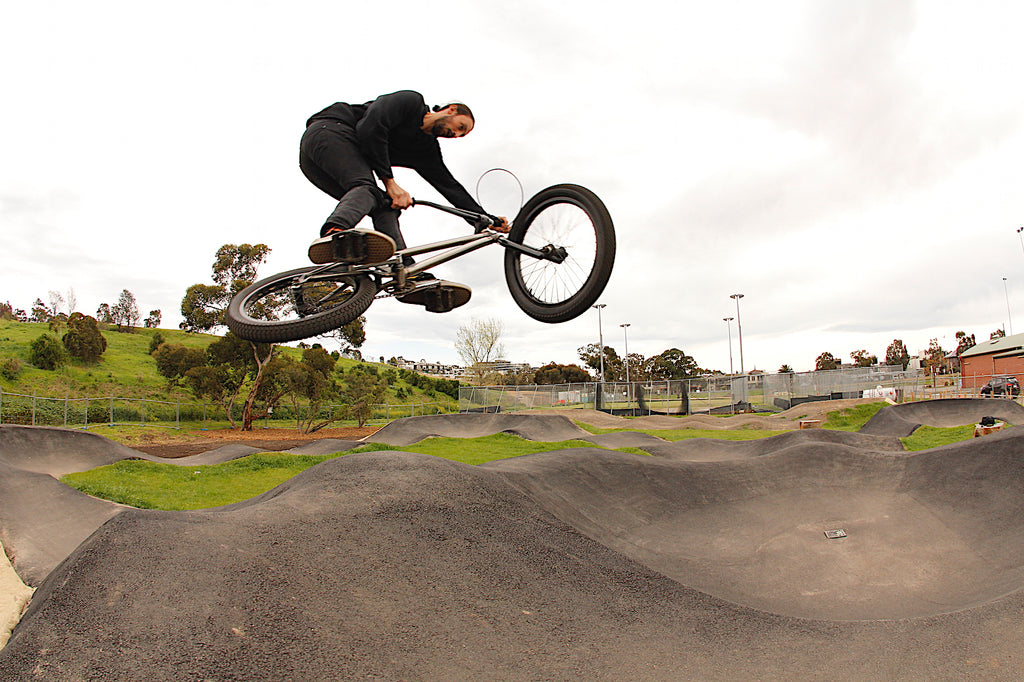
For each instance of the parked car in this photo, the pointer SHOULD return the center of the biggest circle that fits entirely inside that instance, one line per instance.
(1002, 386)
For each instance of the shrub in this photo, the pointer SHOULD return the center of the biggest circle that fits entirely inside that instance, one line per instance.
(155, 342)
(47, 352)
(10, 369)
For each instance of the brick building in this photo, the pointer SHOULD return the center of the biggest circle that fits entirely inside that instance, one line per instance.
(996, 357)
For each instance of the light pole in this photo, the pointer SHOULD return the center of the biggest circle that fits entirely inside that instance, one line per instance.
(739, 327)
(728, 325)
(600, 337)
(1007, 294)
(625, 339)
(599, 403)
(1021, 237)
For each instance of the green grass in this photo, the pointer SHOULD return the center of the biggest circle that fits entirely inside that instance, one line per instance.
(852, 418)
(152, 485)
(926, 437)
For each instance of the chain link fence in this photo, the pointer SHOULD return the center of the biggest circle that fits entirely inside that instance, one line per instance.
(722, 394)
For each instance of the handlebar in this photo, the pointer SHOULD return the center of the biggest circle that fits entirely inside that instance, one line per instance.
(481, 221)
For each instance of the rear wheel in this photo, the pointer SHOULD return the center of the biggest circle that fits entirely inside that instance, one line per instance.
(572, 218)
(296, 305)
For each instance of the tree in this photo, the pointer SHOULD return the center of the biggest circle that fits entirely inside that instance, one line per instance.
(361, 389)
(230, 364)
(935, 357)
(47, 352)
(478, 343)
(125, 313)
(56, 301)
(234, 268)
(202, 309)
(964, 342)
(174, 360)
(590, 356)
(997, 334)
(153, 320)
(313, 379)
(83, 339)
(861, 358)
(672, 364)
(103, 314)
(40, 313)
(6, 311)
(554, 373)
(826, 361)
(785, 369)
(896, 354)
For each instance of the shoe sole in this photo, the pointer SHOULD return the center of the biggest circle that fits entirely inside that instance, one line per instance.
(438, 296)
(364, 247)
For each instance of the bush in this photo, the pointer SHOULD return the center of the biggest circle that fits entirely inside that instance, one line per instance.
(84, 340)
(156, 342)
(47, 352)
(10, 369)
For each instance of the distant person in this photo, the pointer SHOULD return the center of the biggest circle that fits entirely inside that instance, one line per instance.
(346, 144)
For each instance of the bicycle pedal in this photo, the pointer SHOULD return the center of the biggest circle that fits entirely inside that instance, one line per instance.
(438, 296)
(352, 247)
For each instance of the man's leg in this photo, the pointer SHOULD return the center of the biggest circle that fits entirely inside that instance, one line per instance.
(329, 157)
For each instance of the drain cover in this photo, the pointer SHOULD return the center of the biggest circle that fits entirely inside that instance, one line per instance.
(836, 533)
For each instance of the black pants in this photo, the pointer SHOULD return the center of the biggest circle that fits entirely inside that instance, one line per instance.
(329, 157)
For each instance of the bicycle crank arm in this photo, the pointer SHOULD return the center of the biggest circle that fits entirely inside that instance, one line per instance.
(555, 254)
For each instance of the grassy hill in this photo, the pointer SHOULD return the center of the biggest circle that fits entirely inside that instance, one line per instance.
(126, 369)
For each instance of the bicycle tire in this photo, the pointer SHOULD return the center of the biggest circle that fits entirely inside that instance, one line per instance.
(245, 324)
(569, 216)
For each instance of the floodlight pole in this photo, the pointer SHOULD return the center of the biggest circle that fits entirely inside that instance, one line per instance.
(728, 325)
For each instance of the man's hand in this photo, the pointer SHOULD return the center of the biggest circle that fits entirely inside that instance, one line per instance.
(399, 197)
(503, 227)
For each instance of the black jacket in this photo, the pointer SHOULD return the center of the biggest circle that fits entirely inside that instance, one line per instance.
(389, 133)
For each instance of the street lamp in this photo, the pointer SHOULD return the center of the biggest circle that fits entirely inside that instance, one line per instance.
(728, 325)
(1021, 237)
(625, 339)
(600, 336)
(739, 327)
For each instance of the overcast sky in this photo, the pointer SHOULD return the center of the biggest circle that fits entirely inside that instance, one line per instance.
(853, 168)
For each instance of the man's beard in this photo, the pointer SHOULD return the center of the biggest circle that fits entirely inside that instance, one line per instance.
(441, 128)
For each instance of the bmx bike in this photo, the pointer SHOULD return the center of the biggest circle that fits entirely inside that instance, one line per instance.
(559, 254)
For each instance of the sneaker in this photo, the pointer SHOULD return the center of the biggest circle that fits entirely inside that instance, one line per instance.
(438, 296)
(352, 246)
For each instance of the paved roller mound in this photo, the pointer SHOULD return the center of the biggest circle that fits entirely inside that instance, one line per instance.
(706, 561)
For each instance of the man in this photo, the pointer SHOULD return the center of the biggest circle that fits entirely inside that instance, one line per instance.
(346, 144)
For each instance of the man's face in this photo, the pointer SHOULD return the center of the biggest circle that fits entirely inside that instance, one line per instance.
(449, 125)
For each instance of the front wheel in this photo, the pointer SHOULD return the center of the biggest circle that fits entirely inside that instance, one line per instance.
(566, 217)
(298, 304)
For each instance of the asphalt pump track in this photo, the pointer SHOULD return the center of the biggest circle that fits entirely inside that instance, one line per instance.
(705, 559)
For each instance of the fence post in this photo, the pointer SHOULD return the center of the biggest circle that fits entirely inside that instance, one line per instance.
(111, 422)
(177, 415)
(65, 410)
(1, 406)
(33, 407)
(86, 414)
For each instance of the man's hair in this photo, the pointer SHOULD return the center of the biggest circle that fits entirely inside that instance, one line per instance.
(460, 109)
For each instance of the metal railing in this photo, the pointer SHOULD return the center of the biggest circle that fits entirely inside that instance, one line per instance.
(81, 413)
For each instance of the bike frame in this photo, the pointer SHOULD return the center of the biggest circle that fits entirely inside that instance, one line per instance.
(456, 247)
